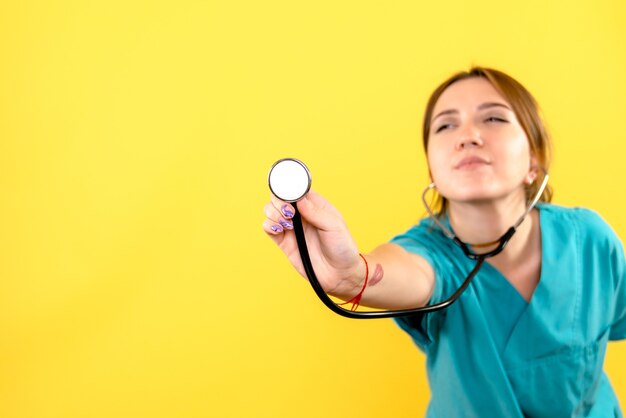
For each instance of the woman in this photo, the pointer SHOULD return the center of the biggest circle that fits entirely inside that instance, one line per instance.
(528, 337)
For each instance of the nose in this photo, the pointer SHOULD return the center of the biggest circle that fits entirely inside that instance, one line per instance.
(469, 137)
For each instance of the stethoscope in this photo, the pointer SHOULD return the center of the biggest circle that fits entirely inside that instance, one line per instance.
(290, 180)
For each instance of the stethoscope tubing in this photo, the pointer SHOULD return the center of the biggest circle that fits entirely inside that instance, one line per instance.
(321, 294)
(478, 257)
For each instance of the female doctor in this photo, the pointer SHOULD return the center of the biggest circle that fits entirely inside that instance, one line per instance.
(529, 335)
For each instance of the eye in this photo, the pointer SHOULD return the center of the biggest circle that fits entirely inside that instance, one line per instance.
(442, 127)
(496, 119)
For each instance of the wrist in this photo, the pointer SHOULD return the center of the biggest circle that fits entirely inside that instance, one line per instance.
(355, 284)
(356, 300)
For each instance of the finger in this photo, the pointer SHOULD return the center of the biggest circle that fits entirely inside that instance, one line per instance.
(281, 237)
(285, 209)
(275, 217)
(273, 228)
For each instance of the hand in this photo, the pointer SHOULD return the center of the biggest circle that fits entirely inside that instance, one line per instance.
(333, 252)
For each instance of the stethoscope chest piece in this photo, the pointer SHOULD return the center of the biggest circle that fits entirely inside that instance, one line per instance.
(289, 179)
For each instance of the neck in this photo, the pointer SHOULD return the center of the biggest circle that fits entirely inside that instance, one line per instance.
(478, 223)
(481, 222)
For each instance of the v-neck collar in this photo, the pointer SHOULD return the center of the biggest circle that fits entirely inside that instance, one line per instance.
(488, 266)
(553, 307)
(497, 272)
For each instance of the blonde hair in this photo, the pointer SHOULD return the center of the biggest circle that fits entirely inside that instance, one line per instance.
(526, 110)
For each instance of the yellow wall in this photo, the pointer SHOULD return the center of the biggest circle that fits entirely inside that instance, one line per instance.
(135, 140)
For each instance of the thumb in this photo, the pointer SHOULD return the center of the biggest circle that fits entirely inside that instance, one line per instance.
(319, 212)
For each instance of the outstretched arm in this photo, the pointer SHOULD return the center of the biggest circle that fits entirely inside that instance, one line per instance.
(397, 279)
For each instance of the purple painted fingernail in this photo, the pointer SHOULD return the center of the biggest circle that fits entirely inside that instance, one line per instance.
(286, 224)
(287, 211)
(277, 228)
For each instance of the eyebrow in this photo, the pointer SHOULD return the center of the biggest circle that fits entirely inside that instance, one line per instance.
(483, 106)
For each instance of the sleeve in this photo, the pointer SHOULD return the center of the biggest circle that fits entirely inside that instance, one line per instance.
(610, 252)
(618, 268)
(423, 328)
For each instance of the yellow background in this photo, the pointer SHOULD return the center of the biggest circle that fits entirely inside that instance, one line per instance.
(135, 141)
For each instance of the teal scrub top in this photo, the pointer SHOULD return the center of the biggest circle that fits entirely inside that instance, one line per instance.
(492, 354)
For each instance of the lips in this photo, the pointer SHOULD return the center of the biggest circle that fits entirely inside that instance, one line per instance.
(471, 161)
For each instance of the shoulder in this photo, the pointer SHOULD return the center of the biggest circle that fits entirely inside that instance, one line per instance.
(425, 239)
(586, 223)
(424, 232)
(586, 220)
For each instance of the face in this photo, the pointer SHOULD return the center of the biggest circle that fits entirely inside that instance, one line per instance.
(477, 150)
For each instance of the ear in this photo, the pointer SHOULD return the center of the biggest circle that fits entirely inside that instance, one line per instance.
(533, 171)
